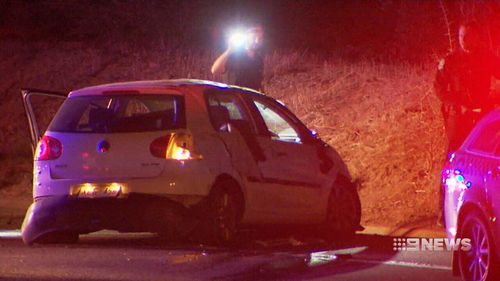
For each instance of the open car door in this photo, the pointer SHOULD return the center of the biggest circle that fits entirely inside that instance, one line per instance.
(40, 107)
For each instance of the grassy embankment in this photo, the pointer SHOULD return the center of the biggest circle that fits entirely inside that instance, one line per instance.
(382, 118)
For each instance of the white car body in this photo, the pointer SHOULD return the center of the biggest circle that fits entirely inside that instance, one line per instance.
(291, 186)
(470, 189)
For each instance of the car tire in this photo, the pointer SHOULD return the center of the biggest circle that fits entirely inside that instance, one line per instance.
(343, 213)
(480, 262)
(221, 215)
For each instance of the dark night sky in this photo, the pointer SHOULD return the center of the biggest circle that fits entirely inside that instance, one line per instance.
(406, 30)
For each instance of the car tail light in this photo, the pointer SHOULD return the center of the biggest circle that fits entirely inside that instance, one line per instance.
(159, 146)
(48, 148)
(178, 146)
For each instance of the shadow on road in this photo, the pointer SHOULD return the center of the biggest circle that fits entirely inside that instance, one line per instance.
(257, 255)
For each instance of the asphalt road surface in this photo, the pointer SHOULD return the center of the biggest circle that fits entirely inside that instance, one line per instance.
(111, 256)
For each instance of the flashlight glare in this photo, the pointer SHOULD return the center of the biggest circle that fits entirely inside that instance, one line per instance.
(239, 39)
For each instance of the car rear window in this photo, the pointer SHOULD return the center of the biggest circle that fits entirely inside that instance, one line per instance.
(119, 114)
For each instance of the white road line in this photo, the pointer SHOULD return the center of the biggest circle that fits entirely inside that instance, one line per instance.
(10, 234)
(403, 264)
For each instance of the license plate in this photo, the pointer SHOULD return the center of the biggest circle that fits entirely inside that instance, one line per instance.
(97, 190)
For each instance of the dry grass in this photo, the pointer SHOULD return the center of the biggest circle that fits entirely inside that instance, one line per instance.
(383, 119)
(385, 122)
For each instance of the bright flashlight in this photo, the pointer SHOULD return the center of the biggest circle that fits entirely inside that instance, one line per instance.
(239, 39)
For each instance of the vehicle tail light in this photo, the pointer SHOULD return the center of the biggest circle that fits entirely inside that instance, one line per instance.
(159, 146)
(48, 148)
(178, 146)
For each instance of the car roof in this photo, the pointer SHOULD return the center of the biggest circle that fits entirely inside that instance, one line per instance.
(132, 86)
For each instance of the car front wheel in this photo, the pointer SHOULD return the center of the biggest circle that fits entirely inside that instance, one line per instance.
(477, 264)
(343, 213)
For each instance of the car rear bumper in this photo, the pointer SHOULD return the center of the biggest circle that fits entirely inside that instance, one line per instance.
(136, 212)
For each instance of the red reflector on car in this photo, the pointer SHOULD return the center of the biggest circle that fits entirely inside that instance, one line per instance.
(48, 148)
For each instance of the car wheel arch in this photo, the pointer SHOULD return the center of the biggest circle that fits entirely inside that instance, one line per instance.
(466, 209)
(470, 207)
(344, 181)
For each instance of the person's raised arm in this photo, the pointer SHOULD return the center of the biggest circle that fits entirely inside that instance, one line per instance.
(219, 66)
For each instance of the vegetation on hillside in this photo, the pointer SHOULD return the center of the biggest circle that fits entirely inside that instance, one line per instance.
(358, 72)
(382, 118)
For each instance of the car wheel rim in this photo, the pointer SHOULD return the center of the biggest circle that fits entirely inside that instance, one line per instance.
(475, 262)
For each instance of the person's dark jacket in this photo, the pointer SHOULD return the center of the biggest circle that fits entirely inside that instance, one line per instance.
(245, 71)
(464, 79)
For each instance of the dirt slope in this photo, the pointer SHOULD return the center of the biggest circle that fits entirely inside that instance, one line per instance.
(383, 119)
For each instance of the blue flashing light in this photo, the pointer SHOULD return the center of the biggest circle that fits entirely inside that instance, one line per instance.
(458, 172)
(468, 184)
(460, 178)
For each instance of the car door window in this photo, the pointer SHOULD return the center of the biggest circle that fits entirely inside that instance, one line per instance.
(277, 124)
(227, 108)
(486, 139)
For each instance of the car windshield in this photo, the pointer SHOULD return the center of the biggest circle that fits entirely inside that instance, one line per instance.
(118, 114)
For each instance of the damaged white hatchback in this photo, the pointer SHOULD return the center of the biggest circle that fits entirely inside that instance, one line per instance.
(180, 156)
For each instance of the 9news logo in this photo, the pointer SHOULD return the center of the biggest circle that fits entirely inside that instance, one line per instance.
(431, 244)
